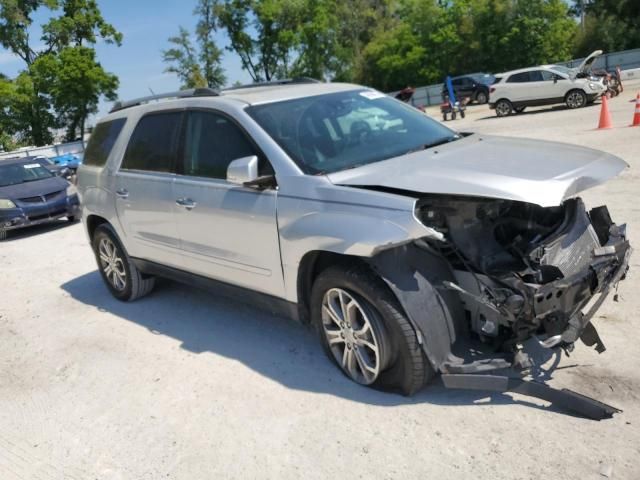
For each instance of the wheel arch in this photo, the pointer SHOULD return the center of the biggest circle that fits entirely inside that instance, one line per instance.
(412, 276)
(311, 265)
(575, 89)
(92, 222)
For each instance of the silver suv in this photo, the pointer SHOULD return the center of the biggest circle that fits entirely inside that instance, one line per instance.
(413, 249)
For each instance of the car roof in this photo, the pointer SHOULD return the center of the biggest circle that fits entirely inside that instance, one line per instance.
(522, 70)
(17, 160)
(245, 95)
(277, 93)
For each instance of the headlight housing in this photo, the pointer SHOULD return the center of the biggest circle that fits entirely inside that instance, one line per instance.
(71, 190)
(6, 204)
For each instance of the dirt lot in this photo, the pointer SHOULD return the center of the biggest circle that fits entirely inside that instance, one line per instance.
(186, 385)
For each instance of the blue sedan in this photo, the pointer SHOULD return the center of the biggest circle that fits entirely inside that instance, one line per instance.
(30, 195)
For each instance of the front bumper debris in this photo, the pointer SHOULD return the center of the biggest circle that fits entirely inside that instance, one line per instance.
(564, 399)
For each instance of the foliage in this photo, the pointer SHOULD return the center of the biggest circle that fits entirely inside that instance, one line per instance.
(197, 68)
(76, 81)
(263, 33)
(609, 25)
(63, 74)
(439, 38)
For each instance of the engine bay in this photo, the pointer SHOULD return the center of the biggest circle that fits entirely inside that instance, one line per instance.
(522, 270)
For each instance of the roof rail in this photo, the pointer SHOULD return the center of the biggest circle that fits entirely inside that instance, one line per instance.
(193, 92)
(273, 83)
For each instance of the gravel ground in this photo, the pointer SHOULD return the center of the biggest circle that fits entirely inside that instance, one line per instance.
(186, 385)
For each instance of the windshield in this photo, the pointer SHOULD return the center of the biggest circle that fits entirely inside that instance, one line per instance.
(22, 172)
(337, 131)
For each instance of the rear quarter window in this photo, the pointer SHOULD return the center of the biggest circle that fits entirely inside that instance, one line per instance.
(102, 140)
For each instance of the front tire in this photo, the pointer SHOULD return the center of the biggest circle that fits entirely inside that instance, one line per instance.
(365, 332)
(123, 279)
(3, 234)
(576, 99)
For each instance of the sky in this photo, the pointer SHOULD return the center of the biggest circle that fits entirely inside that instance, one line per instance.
(146, 26)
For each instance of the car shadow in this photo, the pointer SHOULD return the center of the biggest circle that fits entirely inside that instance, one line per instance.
(26, 232)
(555, 108)
(279, 349)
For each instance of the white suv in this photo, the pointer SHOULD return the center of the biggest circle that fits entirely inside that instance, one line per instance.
(546, 85)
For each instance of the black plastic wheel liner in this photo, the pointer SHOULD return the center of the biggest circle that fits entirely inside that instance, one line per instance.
(437, 315)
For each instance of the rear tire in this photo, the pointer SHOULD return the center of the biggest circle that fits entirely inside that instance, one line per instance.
(399, 363)
(504, 108)
(71, 218)
(576, 99)
(482, 98)
(123, 279)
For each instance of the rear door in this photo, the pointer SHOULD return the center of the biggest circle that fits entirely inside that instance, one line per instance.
(145, 200)
(228, 232)
(518, 87)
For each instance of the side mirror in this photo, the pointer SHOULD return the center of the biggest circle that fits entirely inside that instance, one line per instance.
(555, 79)
(243, 170)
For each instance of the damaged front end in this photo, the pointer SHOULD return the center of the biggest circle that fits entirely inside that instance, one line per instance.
(504, 272)
(525, 271)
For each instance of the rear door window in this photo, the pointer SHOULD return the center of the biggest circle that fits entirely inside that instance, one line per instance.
(522, 77)
(102, 139)
(153, 144)
(536, 76)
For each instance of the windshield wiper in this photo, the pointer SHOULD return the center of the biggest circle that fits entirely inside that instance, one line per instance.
(437, 143)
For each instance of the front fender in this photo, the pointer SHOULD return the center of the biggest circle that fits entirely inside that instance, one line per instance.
(344, 221)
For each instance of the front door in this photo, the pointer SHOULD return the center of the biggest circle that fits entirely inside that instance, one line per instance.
(145, 200)
(228, 232)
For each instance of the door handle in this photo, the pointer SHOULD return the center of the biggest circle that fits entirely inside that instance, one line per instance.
(122, 193)
(187, 203)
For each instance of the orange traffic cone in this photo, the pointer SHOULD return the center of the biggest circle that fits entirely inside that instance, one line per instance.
(605, 116)
(636, 115)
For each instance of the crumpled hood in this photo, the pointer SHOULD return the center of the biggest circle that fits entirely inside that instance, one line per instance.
(533, 171)
(33, 189)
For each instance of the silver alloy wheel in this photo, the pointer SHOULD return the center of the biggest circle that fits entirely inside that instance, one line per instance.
(481, 98)
(112, 264)
(575, 100)
(503, 108)
(350, 335)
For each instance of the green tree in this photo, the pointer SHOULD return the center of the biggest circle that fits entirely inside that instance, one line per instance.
(76, 83)
(609, 25)
(432, 38)
(182, 60)
(81, 23)
(197, 68)
(263, 33)
(78, 24)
